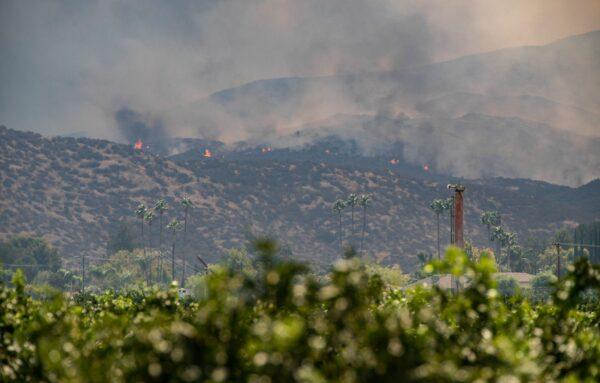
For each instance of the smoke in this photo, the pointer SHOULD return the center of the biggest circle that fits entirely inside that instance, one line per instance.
(135, 126)
(117, 69)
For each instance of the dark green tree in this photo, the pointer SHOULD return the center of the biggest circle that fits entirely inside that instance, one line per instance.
(120, 238)
(490, 219)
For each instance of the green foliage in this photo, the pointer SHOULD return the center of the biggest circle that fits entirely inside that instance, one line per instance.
(123, 270)
(391, 276)
(542, 286)
(283, 325)
(507, 286)
(121, 238)
(31, 251)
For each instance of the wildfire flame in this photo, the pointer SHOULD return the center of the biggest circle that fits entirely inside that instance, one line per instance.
(266, 150)
(394, 161)
(426, 167)
(207, 153)
(138, 144)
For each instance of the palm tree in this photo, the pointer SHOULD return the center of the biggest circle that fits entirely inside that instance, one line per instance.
(149, 217)
(187, 205)
(438, 206)
(364, 202)
(499, 236)
(352, 201)
(449, 206)
(160, 207)
(338, 207)
(140, 212)
(490, 219)
(512, 249)
(174, 226)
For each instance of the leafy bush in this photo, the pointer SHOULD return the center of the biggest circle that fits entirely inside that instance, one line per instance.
(507, 286)
(283, 325)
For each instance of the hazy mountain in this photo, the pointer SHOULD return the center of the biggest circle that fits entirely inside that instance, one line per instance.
(562, 74)
(73, 191)
(548, 95)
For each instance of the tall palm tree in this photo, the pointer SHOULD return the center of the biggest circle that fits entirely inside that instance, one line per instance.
(510, 241)
(338, 207)
(364, 202)
(490, 219)
(499, 236)
(174, 226)
(149, 217)
(187, 205)
(140, 212)
(352, 201)
(160, 207)
(438, 206)
(448, 205)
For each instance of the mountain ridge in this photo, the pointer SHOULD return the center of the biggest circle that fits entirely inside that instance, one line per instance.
(74, 191)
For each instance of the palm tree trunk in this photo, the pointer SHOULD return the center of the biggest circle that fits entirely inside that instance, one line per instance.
(364, 228)
(499, 250)
(438, 235)
(160, 250)
(341, 236)
(173, 259)
(352, 218)
(144, 248)
(148, 261)
(184, 252)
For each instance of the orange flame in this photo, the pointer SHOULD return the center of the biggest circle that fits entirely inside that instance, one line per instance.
(394, 161)
(207, 153)
(138, 144)
(426, 167)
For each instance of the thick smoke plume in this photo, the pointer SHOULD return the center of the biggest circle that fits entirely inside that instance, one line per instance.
(150, 131)
(118, 69)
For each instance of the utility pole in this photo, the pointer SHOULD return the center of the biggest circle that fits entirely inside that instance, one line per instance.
(557, 259)
(457, 221)
(457, 232)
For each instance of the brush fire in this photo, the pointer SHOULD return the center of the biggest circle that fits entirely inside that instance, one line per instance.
(207, 153)
(138, 145)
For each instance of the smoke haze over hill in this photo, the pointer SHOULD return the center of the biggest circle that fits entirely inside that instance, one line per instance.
(159, 69)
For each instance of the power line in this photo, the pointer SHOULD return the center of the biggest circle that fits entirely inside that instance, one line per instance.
(577, 244)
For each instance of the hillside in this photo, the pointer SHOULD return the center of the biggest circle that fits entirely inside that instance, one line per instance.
(72, 191)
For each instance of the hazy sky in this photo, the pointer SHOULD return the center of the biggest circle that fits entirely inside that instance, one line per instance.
(69, 66)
